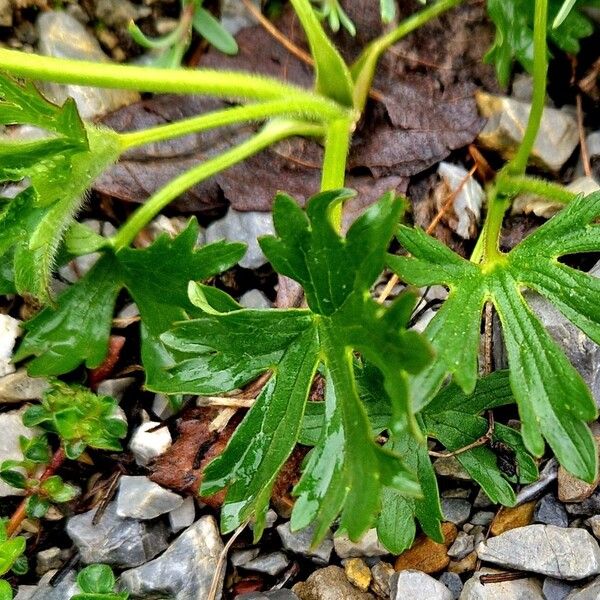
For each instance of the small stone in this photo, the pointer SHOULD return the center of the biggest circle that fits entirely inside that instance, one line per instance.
(12, 428)
(456, 493)
(49, 559)
(555, 589)
(237, 226)
(482, 517)
(62, 36)
(465, 214)
(550, 511)
(594, 523)
(183, 516)
(589, 592)
(563, 553)
(140, 498)
(518, 589)
(6, 13)
(358, 573)
(572, 489)
(510, 518)
(463, 545)
(146, 445)
(453, 582)
(455, 510)
(240, 558)
(185, 570)
(116, 541)
(417, 586)
(300, 542)
(482, 500)
(66, 588)
(380, 583)
(254, 299)
(448, 466)
(234, 17)
(9, 332)
(118, 13)
(587, 508)
(507, 119)
(115, 387)
(467, 565)
(19, 387)
(270, 564)
(368, 545)
(426, 555)
(329, 583)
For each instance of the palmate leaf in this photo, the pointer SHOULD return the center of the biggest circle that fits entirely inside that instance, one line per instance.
(77, 329)
(514, 31)
(59, 167)
(554, 402)
(224, 350)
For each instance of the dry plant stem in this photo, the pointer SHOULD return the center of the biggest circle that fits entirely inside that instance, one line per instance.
(14, 524)
(394, 279)
(214, 587)
(585, 155)
(481, 441)
(107, 496)
(500, 577)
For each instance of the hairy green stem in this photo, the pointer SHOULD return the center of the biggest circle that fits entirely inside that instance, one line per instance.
(223, 84)
(270, 134)
(228, 116)
(512, 185)
(363, 70)
(337, 145)
(518, 164)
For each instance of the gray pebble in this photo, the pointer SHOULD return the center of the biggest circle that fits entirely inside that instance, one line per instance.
(551, 512)
(455, 510)
(453, 582)
(300, 542)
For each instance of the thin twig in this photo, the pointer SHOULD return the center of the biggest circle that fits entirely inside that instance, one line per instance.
(107, 497)
(481, 441)
(224, 401)
(387, 290)
(214, 586)
(501, 577)
(585, 155)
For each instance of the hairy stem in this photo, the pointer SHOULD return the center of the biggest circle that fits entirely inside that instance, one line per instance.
(223, 84)
(271, 133)
(512, 185)
(228, 116)
(518, 164)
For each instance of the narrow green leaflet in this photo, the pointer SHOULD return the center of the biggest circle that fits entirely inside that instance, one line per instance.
(220, 351)
(554, 402)
(567, 25)
(77, 330)
(59, 167)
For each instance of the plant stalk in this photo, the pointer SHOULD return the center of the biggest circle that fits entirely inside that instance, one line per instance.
(510, 185)
(518, 164)
(223, 84)
(229, 116)
(270, 134)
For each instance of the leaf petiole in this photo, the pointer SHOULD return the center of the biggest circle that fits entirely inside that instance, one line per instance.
(511, 185)
(273, 132)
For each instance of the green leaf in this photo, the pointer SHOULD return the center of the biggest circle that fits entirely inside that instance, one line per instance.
(213, 32)
(37, 507)
(514, 31)
(81, 419)
(57, 490)
(554, 402)
(20, 566)
(10, 550)
(77, 330)
(221, 351)
(96, 578)
(59, 168)
(332, 75)
(36, 449)
(14, 478)
(5, 590)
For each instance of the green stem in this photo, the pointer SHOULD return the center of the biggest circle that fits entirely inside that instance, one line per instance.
(270, 134)
(512, 185)
(363, 70)
(337, 145)
(228, 116)
(223, 84)
(487, 249)
(518, 164)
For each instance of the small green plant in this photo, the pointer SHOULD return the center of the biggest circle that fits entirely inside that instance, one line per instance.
(80, 419)
(171, 48)
(11, 559)
(24, 475)
(196, 339)
(97, 582)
